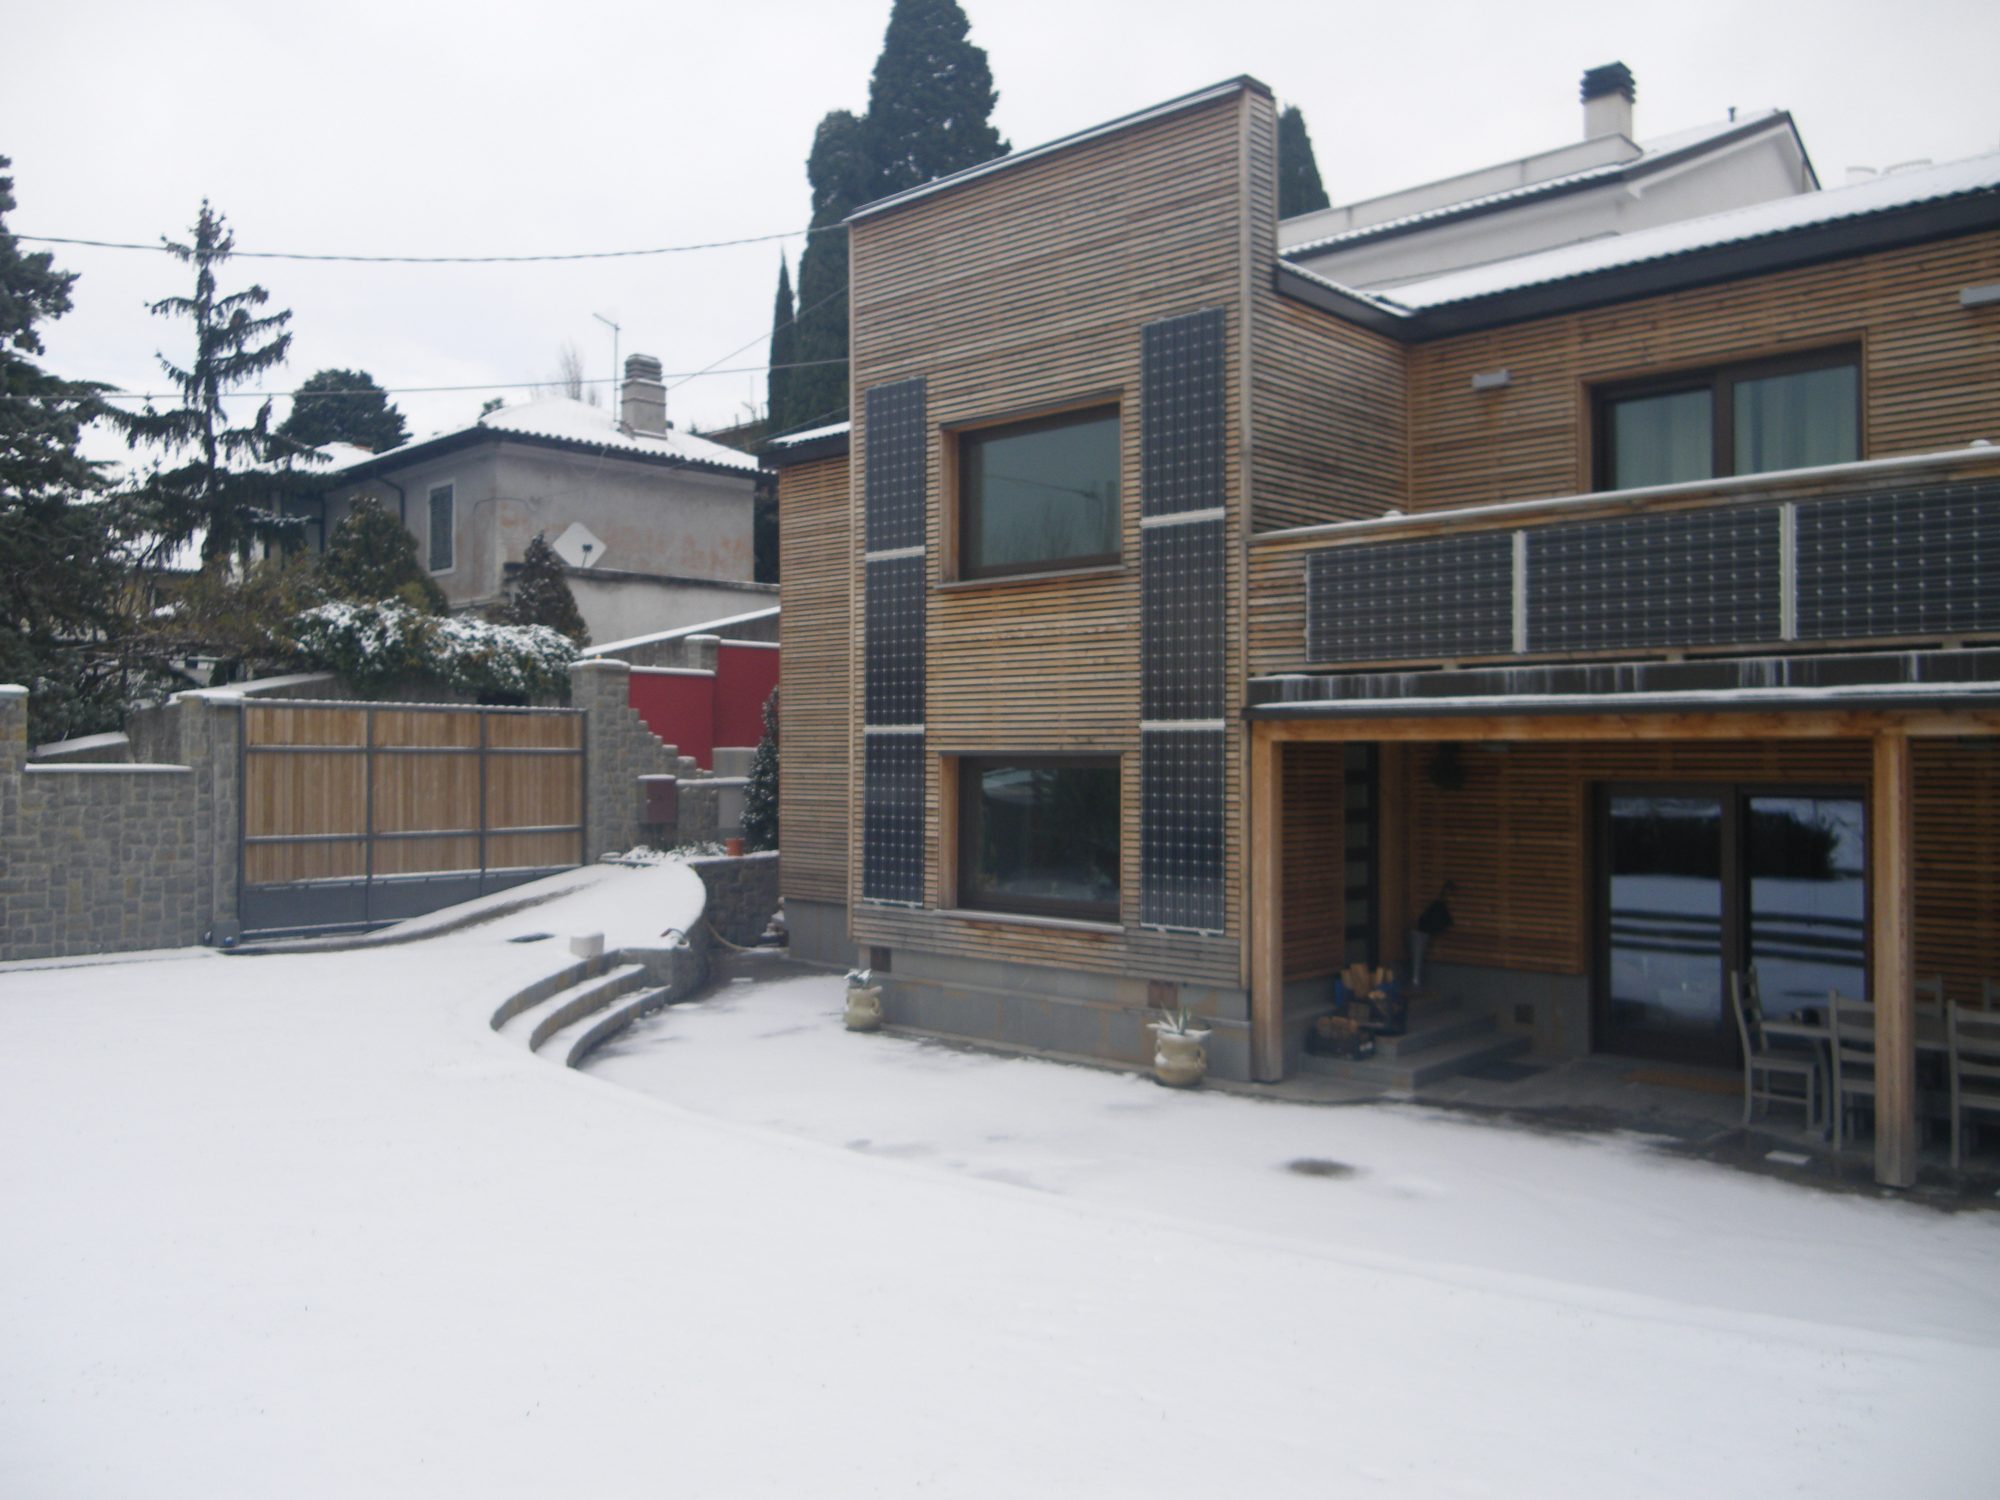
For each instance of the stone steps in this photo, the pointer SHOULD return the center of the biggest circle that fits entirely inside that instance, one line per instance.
(1443, 1037)
(569, 1045)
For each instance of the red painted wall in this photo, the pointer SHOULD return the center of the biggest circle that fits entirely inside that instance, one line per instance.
(678, 706)
(744, 677)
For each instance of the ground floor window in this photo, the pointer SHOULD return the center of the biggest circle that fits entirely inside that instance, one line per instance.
(1700, 881)
(1039, 834)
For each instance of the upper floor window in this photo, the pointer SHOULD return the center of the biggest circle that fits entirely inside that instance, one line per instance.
(442, 518)
(1039, 495)
(1744, 419)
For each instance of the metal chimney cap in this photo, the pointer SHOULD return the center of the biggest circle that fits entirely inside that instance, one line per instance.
(1612, 78)
(642, 367)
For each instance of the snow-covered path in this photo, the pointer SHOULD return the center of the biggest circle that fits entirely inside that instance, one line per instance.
(303, 1226)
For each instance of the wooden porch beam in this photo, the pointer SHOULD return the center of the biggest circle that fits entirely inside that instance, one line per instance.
(1760, 725)
(1266, 864)
(1892, 969)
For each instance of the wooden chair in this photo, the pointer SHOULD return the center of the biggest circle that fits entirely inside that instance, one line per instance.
(1975, 1068)
(1930, 996)
(1760, 1062)
(1851, 1027)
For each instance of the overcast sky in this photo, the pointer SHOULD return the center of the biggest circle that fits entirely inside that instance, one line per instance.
(424, 128)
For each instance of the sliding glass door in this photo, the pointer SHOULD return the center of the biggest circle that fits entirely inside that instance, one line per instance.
(1699, 881)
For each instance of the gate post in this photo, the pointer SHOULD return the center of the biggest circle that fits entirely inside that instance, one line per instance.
(618, 750)
(210, 733)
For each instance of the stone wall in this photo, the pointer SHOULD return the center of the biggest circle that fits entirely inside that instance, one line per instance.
(619, 749)
(742, 893)
(106, 857)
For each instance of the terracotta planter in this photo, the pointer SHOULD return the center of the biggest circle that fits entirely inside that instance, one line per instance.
(1180, 1058)
(864, 1009)
(732, 846)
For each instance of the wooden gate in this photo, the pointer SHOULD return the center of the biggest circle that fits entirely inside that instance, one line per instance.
(361, 813)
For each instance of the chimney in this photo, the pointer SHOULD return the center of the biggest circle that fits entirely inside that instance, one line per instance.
(642, 401)
(1608, 93)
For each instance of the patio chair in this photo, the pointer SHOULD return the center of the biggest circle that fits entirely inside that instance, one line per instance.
(1851, 1027)
(1975, 1068)
(1760, 1062)
(1929, 994)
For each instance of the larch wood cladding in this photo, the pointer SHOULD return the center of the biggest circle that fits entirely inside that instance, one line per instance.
(816, 678)
(1930, 369)
(1332, 439)
(1517, 839)
(1315, 855)
(1026, 292)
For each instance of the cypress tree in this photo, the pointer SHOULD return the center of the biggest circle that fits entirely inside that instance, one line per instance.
(1299, 187)
(931, 100)
(760, 796)
(539, 594)
(784, 350)
(840, 174)
(209, 494)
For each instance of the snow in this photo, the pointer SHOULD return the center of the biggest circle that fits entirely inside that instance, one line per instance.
(610, 649)
(572, 421)
(794, 439)
(307, 1226)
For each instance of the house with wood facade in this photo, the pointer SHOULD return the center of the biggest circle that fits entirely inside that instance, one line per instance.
(1178, 619)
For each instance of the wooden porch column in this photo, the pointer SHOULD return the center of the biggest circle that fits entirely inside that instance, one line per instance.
(1892, 969)
(1392, 854)
(1267, 911)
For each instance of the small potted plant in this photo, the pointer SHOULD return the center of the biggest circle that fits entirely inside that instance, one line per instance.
(1180, 1052)
(864, 1001)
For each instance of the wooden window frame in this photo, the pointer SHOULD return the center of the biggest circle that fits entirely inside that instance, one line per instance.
(1720, 381)
(962, 781)
(1102, 404)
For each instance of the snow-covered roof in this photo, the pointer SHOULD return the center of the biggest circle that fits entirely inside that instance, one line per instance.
(794, 439)
(563, 420)
(1900, 190)
(1534, 177)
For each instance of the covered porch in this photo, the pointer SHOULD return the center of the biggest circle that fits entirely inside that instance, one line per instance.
(1614, 842)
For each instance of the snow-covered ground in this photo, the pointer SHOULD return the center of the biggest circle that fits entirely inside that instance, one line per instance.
(304, 1226)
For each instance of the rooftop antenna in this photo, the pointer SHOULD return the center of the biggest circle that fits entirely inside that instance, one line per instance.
(617, 413)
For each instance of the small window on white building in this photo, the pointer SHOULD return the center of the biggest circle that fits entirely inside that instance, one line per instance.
(441, 528)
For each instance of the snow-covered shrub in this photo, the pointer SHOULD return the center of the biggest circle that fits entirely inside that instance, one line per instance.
(374, 646)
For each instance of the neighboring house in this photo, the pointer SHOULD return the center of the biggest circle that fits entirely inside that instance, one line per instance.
(654, 526)
(1176, 623)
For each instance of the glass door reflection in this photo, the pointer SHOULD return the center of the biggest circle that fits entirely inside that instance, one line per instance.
(1808, 899)
(1665, 905)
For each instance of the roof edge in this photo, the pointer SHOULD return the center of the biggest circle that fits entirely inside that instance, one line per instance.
(1241, 83)
(465, 437)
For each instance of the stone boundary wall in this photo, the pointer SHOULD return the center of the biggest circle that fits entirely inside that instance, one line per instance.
(115, 856)
(742, 893)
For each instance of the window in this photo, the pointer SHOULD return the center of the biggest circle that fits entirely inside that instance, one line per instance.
(1748, 419)
(441, 528)
(1039, 495)
(1039, 834)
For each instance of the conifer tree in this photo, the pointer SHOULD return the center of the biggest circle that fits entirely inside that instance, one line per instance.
(760, 795)
(784, 351)
(372, 556)
(931, 100)
(539, 594)
(840, 174)
(62, 566)
(1299, 187)
(344, 406)
(220, 491)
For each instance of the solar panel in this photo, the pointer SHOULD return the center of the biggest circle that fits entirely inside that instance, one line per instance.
(1444, 596)
(1183, 408)
(1909, 562)
(893, 612)
(1181, 828)
(1184, 592)
(892, 817)
(896, 482)
(1687, 578)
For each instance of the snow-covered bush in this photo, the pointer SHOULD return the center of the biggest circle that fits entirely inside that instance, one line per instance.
(374, 646)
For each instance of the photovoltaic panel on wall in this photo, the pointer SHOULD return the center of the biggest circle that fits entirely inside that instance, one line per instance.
(1181, 828)
(1448, 596)
(1910, 562)
(897, 474)
(892, 817)
(893, 611)
(1184, 594)
(1690, 578)
(1183, 410)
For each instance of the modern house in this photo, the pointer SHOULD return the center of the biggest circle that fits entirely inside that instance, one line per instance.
(654, 526)
(1620, 555)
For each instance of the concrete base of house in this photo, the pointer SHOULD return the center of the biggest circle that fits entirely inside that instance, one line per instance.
(818, 933)
(1551, 1010)
(1057, 1012)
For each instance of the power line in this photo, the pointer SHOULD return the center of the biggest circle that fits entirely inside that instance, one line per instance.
(795, 318)
(443, 260)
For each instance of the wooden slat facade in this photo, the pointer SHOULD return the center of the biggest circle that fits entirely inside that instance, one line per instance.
(1023, 293)
(815, 678)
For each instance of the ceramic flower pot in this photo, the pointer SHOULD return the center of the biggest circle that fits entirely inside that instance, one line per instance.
(1180, 1058)
(864, 1009)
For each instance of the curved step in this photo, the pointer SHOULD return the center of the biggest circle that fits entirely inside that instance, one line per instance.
(543, 1019)
(572, 1043)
